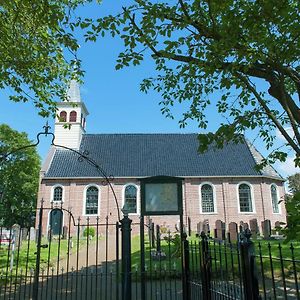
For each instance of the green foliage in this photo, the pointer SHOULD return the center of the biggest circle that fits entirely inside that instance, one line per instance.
(38, 50)
(292, 229)
(245, 52)
(294, 183)
(89, 232)
(19, 178)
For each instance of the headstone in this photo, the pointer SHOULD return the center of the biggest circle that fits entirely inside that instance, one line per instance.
(266, 229)
(199, 228)
(254, 227)
(220, 230)
(16, 230)
(24, 233)
(241, 226)
(32, 233)
(206, 228)
(233, 231)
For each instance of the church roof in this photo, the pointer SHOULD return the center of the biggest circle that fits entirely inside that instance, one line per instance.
(143, 155)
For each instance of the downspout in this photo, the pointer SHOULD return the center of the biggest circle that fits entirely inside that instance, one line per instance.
(262, 199)
(224, 205)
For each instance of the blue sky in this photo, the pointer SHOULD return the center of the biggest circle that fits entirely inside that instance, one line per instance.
(112, 97)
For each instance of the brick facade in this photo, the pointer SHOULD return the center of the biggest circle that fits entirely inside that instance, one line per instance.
(225, 191)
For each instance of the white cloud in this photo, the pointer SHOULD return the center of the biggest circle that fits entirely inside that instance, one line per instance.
(287, 168)
(289, 130)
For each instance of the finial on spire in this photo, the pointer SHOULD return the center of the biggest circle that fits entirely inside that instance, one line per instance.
(73, 93)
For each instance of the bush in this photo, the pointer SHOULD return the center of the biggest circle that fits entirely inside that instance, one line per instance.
(89, 232)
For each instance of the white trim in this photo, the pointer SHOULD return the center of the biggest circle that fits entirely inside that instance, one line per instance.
(137, 198)
(84, 200)
(252, 199)
(214, 198)
(277, 193)
(63, 219)
(52, 194)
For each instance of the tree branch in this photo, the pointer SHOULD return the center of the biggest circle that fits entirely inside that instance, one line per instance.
(263, 104)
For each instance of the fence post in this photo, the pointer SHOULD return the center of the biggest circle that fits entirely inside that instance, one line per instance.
(38, 255)
(126, 257)
(186, 269)
(205, 268)
(249, 272)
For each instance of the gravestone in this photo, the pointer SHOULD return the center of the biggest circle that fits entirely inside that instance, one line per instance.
(32, 233)
(199, 229)
(220, 230)
(206, 228)
(24, 232)
(16, 229)
(233, 231)
(266, 229)
(254, 227)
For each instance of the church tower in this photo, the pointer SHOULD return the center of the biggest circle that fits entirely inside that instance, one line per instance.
(72, 113)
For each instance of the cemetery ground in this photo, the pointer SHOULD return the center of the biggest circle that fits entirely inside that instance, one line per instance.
(25, 256)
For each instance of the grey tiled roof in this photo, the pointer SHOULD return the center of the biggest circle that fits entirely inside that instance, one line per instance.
(142, 155)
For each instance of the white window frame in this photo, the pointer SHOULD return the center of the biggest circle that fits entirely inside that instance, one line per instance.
(277, 193)
(52, 194)
(252, 199)
(215, 199)
(84, 200)
(137, 198)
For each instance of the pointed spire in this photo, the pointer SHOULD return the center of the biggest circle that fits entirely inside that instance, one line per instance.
(73, 93)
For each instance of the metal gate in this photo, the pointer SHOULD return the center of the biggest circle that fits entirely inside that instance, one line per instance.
(80, 262)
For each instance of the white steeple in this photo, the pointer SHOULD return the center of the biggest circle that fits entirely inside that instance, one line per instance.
(70, 121)
(73, 93)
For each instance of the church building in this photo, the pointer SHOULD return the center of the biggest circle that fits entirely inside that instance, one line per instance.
(220, 184)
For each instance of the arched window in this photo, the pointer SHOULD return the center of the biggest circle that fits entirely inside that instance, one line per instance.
(245, 198)
(130, 198)
(63, 116)
(91, 201)
(274, 197)
(57, 194)
(73, 116)
(207, 198)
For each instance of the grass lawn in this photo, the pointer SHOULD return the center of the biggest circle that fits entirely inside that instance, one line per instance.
(25, 257)
(223, 256)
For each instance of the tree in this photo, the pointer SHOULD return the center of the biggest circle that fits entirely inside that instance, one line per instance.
(245, 51)
(38, 50)
(294, 183)
(19, 178)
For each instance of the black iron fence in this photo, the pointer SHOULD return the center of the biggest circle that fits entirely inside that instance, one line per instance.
(103, 260)
(243, 270)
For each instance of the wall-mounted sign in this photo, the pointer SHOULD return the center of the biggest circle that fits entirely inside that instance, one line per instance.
(161, 195)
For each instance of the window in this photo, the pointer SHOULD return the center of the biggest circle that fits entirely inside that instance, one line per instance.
(245, 198)
(91, 201)
(58, 194)
(73, 116)
(63, 117)
(274, 199)
(130, 198)
(207, 198)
